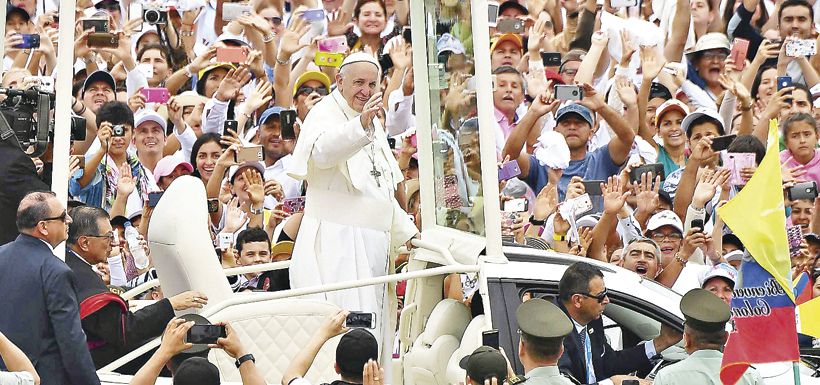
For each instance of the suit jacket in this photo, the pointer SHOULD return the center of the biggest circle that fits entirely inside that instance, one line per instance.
(17, 178)
(605, 360)
(40, 312)
(113, 332)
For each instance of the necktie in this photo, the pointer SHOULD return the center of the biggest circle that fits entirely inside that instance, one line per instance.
(588, 356)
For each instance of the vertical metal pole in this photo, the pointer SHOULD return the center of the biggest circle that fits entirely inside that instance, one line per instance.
(62, 111)
(796, 369)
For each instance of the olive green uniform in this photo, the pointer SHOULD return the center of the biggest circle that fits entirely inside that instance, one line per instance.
(701, 367)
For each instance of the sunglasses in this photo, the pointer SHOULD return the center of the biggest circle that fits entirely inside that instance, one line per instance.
(277, 21)
(309, 90)
(61, 218)
(110, 236)
(600, 297)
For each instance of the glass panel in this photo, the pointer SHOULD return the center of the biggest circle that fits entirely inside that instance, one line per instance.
(454, 125)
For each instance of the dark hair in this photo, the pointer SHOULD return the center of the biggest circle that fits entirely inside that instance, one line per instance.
(706, 340)
(33, 209)
(729, 11)
(84, 222)
(115, 112)
(157, 47)
(251, 234)
(196, 371)
(759, 78)
(355, 348)
(542, 349)
(361, 3)
(576, 279)
(795, 3)
(701, 120)
(205, 138)
(748, 143)
(798, 117)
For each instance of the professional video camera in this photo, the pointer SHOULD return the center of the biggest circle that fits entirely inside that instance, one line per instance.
(26, 114)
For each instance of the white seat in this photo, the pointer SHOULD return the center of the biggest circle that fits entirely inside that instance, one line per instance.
(426, 362)
(470, 341)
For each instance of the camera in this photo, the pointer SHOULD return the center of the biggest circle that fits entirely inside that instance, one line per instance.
(155, 16)
(118, 130)
(26, 115)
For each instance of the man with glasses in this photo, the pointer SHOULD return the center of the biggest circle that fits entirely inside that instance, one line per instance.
(112, 330)
(277, 155)
(588, 357)
(41, 315)
(308, 90)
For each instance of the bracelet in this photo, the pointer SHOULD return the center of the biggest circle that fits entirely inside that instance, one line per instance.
(744, 109)
(282, 62)
(269, 38)
(680, 260)
(537, 222)
(188, 33)
(559, 238)
(246, 115)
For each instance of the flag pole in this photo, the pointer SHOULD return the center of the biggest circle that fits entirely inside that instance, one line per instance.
(796, 370)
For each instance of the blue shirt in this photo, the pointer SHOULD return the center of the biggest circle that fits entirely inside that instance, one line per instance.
(596, 165)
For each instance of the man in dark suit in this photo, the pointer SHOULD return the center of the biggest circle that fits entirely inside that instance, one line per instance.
(17, 178)
(587, 357)
(40, 312)
(112, 330)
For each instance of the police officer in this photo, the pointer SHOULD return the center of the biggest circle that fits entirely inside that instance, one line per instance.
(483, 365)
(704, 335)
(543, 327)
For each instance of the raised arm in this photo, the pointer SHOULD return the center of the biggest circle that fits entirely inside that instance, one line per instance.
(620, 145)
(586, 71)
(680, 30)
(514, 146)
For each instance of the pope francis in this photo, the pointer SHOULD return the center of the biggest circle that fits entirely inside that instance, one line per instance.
(352, 221)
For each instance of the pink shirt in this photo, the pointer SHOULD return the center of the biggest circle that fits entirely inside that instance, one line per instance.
(812, 168)
(504, 124)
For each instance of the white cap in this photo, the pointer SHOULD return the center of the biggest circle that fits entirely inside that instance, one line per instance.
(147, 114)
(735, 255)
(712, 113)
(358, 57)
(664, 218)
(254, 164)
(448, 42)
(723, 270)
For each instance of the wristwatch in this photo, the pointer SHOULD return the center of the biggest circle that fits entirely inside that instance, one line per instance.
(537, 222)
(241, 360)
(255, 211)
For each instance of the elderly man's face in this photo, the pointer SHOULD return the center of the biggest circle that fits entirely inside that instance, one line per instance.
(509, 92)
(358, 82)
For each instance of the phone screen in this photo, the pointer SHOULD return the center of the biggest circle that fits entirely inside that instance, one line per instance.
(287, 118)
(490, 338)
(205, 334)
(360, 320)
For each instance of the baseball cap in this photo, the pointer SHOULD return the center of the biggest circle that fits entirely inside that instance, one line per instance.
(190, 98)
(588, 220)
(149, 115)
(10, 9)
(355, 348)
(276, 110)
(228, 37)
(511, 37)
(712, 40)
(167, 165)
(576, 109)
(736, 255)
(732, 240)
(100, 76)
(196, 370)
(665, 218)
(554, 76)
(312, 75)
(723, 270)
(448, 42)
(514, 4)
(258, 165)
(485, 363)
(671, 105)
(203, 73)
(700, 112)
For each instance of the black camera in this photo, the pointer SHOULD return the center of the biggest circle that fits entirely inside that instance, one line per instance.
(26, 115)
(118, 130)
(155, 16)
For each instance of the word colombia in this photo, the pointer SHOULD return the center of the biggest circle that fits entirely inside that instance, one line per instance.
(760, 295)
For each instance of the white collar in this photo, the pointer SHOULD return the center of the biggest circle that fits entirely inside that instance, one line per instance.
(80, 257)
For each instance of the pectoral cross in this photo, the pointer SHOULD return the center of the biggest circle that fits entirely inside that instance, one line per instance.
(376, 174)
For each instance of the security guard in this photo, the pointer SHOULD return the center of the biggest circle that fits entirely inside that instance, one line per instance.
(485, 363)
(704, 335)
(543, 327)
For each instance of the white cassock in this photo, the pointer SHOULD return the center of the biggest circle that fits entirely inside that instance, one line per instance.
(352, 221)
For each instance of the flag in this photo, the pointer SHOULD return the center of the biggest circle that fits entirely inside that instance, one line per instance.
(809, 318)
(803, 288)
(760, 307)
(763, 300)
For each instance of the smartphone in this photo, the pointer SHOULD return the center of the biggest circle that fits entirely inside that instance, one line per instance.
(230, 125)
(205, 334)
(407, 34)
(492, 13)
(551, 59)
(146, 70)
(153, 198)
(568, 92)
(580, 205)
(593, 187)
(213, 205)
(739, 49)
(391, 142)
(508, 171)
(360, 320)
(249, 154)
(797, 48)
(29, 41)
(98, 25)
(490, 338)
(696, 223)
(105, 40)
(325, 59)
(287, 118)
(794, 234)
(623, 3)
(783, 82)
(231, 55)
(735, 162)
(156, 95)
(336, 44)
(225, 241)
(655, 168)
(516, 205)
(721, 143)
(314, 14)
(803, 190)
(510, 26)
(294, 205)
(385, 61)
(78, 129)
(232, 11)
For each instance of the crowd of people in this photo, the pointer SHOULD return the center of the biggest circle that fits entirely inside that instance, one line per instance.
(619, 131)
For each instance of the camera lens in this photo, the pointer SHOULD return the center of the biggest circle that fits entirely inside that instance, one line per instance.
(574, 92)
(151, 16)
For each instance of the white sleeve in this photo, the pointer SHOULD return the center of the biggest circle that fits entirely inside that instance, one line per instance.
(133, 81)
(399, 114)
(186, 141)
(727, 109)
(216, 112)
(16, 378)
(698, 96)
(116, 271)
